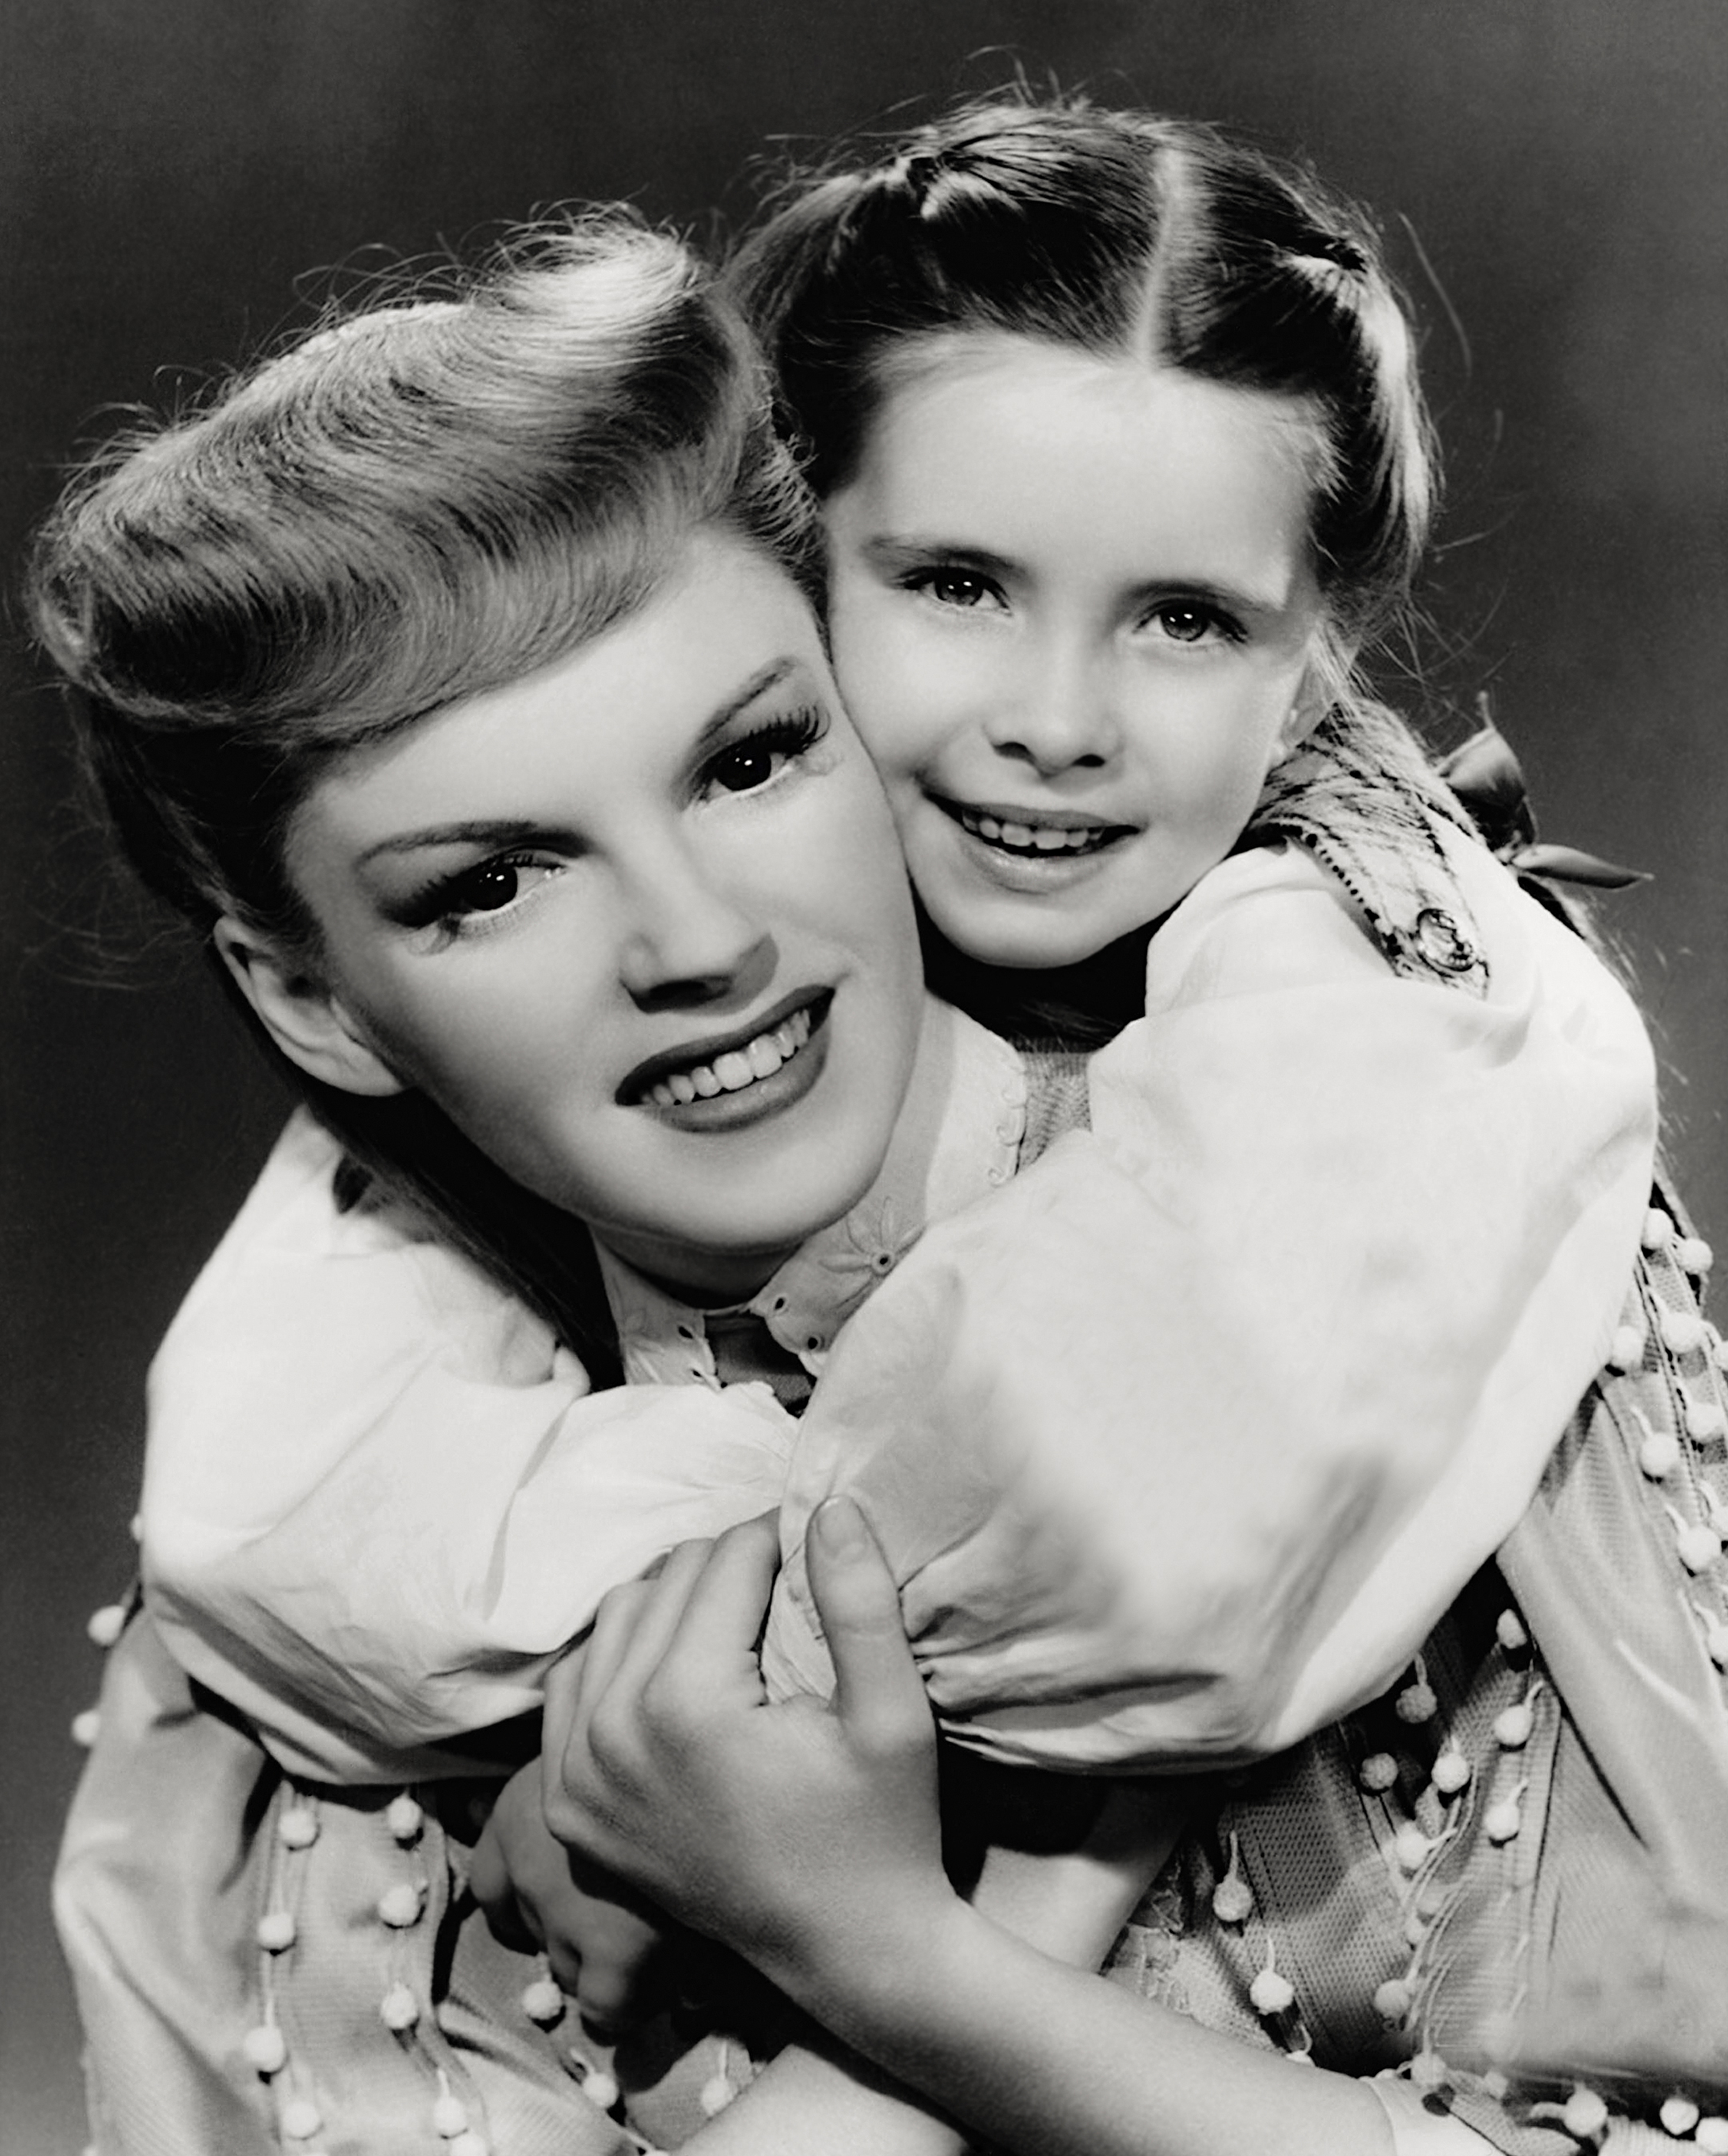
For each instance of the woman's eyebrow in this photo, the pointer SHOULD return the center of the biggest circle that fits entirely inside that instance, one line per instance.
(518, 830)
(760, 682)
(474, 831)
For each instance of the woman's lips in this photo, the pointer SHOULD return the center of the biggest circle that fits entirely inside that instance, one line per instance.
(739, 1067)
(728, 1063)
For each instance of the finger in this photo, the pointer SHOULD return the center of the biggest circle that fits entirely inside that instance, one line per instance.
(564, 1688)
(716, 1636)
(878, 1690)
(508, 1918)
(564, 1960)
(654, 1620)
(614, 1623)
(624, 1982)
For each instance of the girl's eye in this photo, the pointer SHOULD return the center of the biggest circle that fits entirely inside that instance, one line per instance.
(1184, 621)
(756, 758)
(954, 588)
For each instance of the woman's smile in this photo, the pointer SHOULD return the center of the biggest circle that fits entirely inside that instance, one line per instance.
(711, 1079)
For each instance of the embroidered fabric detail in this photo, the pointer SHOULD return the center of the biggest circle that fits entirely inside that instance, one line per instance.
(1364, 799)
(1056, 1098)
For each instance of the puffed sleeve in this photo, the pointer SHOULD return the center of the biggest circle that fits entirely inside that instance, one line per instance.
(1179, 1446)
(378, 1498)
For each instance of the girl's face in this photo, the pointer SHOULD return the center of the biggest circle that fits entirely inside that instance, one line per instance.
(639, 924)
(1072, 609)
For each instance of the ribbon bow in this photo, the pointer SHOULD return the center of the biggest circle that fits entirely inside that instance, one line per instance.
(1489, 780)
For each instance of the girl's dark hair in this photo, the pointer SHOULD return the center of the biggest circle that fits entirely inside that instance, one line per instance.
(1126, 235)
(418, 503)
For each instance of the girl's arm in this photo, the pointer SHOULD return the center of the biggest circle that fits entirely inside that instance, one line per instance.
(379, 1497)
(1205, 1420)
(807, 1837)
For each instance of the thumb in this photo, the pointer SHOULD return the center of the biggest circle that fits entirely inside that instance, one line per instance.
(878, 1690)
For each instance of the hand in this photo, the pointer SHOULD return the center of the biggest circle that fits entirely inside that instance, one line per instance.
(609, 1952)
(796, 1833)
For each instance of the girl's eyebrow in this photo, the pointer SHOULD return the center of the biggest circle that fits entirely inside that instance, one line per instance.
(902, 550)
(517, 830)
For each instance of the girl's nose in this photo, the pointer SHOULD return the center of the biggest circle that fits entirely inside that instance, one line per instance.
(688, 941)
(1061, 715)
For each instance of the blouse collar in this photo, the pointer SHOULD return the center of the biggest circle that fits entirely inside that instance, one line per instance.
(958, 1136)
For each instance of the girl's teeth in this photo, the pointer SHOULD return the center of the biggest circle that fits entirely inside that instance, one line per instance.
(682, 1086)
(763, 1058)
(1029, 837)
(733, 1071)
(704, 1081)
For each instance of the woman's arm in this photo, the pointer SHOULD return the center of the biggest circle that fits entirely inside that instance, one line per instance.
(806, 1836)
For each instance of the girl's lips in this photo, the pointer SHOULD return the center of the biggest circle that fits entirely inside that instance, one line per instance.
(780, 1032)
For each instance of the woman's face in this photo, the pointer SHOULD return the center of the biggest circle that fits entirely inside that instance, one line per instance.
(639, 925)
(1071, 613)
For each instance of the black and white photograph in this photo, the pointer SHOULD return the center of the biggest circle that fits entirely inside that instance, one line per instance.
(866, 1078)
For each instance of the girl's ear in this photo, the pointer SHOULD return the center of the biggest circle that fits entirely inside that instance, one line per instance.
(302, 1016)
(1305, 713)
(1323, 684)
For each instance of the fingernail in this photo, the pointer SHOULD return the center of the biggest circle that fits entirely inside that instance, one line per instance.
(841, 1525)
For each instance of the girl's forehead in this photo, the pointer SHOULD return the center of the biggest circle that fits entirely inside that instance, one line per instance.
(1020, 382)
(1097, 468)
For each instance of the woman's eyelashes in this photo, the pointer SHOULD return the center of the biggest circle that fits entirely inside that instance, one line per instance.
(465, 903)
(755, 760)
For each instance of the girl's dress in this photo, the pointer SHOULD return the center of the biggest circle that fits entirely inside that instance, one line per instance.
(1544, 1092)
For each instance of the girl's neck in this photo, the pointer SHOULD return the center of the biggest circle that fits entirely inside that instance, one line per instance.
(1082, 1006)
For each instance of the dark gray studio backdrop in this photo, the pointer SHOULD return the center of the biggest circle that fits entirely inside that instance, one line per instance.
(173, 167)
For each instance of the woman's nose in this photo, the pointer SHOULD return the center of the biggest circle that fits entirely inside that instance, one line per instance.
(689, 941)
(1060, 714)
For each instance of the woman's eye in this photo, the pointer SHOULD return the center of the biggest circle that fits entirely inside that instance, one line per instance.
(491, 888)
(752, 761)
(486, 890)
(750, 765)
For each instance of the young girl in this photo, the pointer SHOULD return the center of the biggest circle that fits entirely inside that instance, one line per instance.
(1110, 420)
(254, 1622)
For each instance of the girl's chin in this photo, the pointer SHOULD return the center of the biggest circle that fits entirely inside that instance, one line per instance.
(1028, 937)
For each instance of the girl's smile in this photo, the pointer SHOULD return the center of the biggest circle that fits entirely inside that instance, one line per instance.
(638, 923)
(1072, 609)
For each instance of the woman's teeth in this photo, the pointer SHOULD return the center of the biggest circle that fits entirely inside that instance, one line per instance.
(1031, 838)
(739, 1067)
